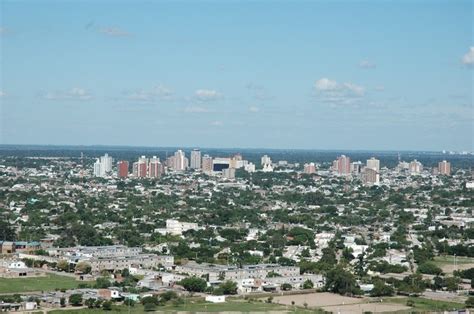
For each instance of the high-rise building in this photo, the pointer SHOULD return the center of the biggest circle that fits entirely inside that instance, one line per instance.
(370, 176)
(309, 168)
(356, 167)
(415, 167)
(154, 167)
(228, 173)
(180, 161)
(373, 163)
(103, 166)
(122, 169)
(444, 168)
(140, 168)
(250, 167)
(97, 170)
(195, 159)
(207, 164)
(342, 165)
(266, 160)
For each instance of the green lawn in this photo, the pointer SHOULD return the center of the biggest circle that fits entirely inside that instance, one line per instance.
(449, 260)
(200, 306)
(47, 283)
(422, 304)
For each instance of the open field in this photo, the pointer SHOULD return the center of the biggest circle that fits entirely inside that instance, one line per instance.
(446, 263)
(199, 307)
(47, 283)
(422, 304)
(367, 307)
(316, 299)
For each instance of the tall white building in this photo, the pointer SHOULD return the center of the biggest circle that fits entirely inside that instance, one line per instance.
(196, 159)
(103, 166)
(373, 163)
(415, 167)
(266, 160)
(180, 161)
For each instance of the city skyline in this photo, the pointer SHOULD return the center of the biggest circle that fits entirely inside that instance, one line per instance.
(331, 76)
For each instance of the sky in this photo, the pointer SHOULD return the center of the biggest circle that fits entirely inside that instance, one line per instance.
(375, 75)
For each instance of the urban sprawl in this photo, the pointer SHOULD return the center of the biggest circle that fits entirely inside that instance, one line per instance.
(192, 231)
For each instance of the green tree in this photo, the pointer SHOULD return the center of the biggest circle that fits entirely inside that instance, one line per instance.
(285, 287)
(470, 302)
(381, 289)
(193, 284)
(308, 284)
(83, 267)
(338, 280)
(228, 287)
(430, 268)
(75, 299)
(107, 305)
(90, 303)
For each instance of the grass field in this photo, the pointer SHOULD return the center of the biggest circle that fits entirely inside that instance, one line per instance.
(47, 283)
(421, 304)
(449, 260)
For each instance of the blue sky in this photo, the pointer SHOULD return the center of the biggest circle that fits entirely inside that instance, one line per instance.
(384, 75)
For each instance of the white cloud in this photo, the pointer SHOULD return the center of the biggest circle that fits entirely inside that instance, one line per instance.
(75, 93)
(3, 30)
(254, 109)
(366, 64)
(113, 32)
(2, 93)
(326, 84)
(157, 92)
(195, 109)
(468, 58)
(217, 123)
(335, 93)
(207, 94)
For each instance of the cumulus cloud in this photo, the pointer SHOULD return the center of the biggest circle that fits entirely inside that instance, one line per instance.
(254, 109)
(367, 64)
(75, 93)
(157, 92)
(333, 92)
(468, 58)
(114, 32)
(207, 94)
(2, 94)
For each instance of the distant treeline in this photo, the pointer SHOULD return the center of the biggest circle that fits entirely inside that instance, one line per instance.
(387, 158)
